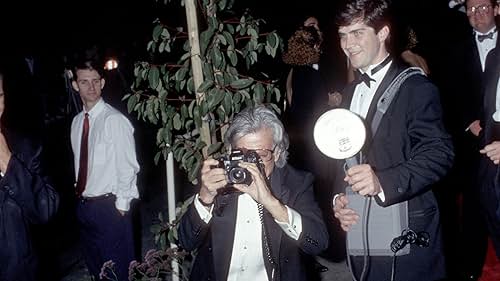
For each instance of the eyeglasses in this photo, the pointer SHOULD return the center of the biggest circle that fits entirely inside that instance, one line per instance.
(481, 9)
(264, 154)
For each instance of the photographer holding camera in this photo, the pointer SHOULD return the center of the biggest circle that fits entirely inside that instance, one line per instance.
(263, 230)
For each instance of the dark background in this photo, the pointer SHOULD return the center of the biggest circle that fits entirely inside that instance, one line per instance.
(52, 31)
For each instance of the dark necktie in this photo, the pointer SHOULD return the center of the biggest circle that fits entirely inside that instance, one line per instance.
(482, 37)
(82, 170)
(363, 77)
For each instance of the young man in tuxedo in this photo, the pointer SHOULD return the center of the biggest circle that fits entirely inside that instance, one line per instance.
(409, 152)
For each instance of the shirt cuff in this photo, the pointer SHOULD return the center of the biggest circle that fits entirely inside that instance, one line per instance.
(122, 204)
(381, 195)
(496, 116)
(335, 198)
(294, 226)
(205, 215)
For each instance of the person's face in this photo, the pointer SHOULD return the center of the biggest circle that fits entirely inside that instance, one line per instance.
(262, 141)
(362, 46)
(481, 14)
(89, 85)
(2, 97)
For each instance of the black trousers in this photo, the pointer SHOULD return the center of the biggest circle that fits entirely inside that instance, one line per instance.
(105, 235)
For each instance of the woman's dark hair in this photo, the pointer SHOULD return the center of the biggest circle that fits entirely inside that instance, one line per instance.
(303, 47)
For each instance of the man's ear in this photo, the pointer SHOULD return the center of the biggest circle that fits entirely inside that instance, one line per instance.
(103, 81)
(383, 33)
(75, 86)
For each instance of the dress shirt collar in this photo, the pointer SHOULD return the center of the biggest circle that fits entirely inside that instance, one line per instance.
(96, 109)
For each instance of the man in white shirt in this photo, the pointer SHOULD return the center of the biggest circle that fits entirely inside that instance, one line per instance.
(407, 154)
(262, 229)
(106, 167)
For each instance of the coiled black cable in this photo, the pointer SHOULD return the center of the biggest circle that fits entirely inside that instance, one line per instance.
(408, 236)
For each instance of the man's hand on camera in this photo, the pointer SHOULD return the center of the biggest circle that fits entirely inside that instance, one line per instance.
(363, 180)
(347, 217)
(261, 193)
(211, 180)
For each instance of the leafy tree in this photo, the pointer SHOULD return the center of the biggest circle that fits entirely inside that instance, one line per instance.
(166, 94)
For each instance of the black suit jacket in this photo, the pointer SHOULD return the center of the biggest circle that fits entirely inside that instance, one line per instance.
(25, 199)
(489, 173)
(214, 241)
(409, 153)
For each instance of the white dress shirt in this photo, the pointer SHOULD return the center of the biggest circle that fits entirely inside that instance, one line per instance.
(112, 162)
(496, 115)
(247, 258)
(363, 97)
(486, 46)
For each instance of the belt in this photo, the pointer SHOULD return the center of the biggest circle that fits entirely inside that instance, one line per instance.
(95, 198)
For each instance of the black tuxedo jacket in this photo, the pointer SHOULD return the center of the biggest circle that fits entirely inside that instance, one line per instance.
(409, 153)
(465, 83)
(25, 198)
(214, 241)
(489, 173)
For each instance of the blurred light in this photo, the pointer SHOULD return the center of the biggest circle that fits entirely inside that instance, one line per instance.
(111, 64)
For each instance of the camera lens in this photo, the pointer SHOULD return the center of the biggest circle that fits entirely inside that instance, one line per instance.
(237, 175)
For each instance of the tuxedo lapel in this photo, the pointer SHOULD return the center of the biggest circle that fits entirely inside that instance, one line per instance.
(392, 72)
(223, 228)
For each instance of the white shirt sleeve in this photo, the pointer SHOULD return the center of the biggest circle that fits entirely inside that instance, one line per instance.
(126, 161)
(293, 227)
(496, 115)
(205, 215)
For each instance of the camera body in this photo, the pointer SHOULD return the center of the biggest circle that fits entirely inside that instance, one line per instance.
(234, 173)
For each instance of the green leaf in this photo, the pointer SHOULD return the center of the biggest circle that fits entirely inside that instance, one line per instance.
(205, 38)
(222, 4)
(252, 32)
(228, 102)
(241, 83)
(132, 101)
(193, 173)
(165, 34)
(230, 28)
(229, 38)
(157, 157)
(233, 58)
(190, 85)
(157, 32)
(177, 121)
(184, 111)
(181, 73)
(207, 84)
(197, 116)
(237, 98)
(222, 39)
(214, 148)
(216, 97)
(272, 40)
(277, 94)
(275, 108)
(190, 108)
(153, 77)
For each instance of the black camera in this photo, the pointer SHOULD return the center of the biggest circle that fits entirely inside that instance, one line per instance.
(236, 174)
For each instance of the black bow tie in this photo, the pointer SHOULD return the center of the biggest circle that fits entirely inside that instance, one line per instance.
(482, 37)
(363, 77)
